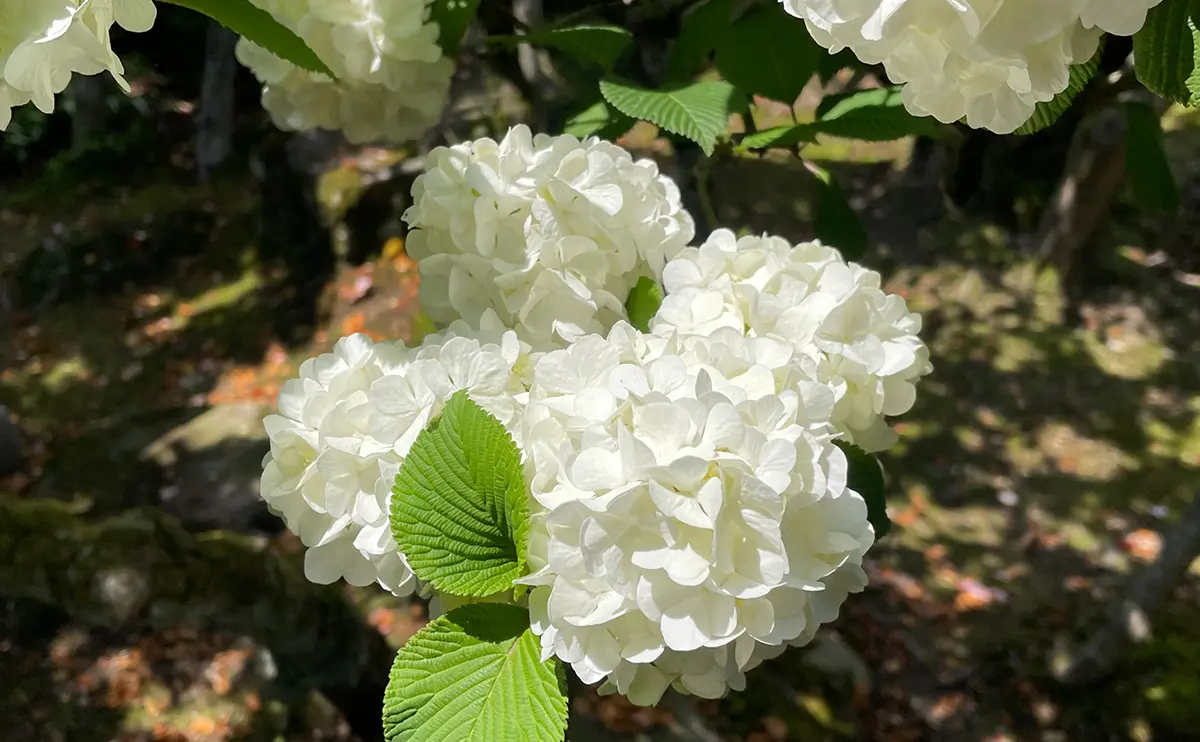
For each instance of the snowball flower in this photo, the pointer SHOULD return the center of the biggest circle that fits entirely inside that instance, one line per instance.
(392, 79)
(990, 61)
(759, 301)
(551, 233)
(344, 427)
(685, 529)
(44, 42)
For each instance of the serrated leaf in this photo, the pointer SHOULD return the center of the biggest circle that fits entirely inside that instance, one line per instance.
(643, 303)
(779, 136)
(459, 509)
(698, 35)
(475, 675)
(699, 111)
(259, 27)
(1146, 167)
(453, 17)
(600, 45)
(598, 119)
(769, 53)
(1166, 51)
(834, 221)
(866, 478)
(874, 115)
(1045, 114)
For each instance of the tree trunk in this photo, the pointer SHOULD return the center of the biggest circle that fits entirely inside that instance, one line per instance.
(87, 96)
(1129, 618)
(1090, 184)
(214, 120)
(534, 64)
(142, 570)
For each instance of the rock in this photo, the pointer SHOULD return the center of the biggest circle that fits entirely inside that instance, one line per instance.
(211, 468)
(12, 460)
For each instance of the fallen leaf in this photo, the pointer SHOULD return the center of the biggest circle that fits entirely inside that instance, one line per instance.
(1143, 544)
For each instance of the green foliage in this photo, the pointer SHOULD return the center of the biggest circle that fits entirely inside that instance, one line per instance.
(459, 510)
(643, 303)
(1045, 114)
(779, 136)
(1166, 50)
(699, 111)
(453, 17)
(769, 53)
(256, 25)
(874, 115)
(601, 45)
(866, 478)
(699, 33)
(598, 119)
(475, 675)
(834, 222)
(1147, 170)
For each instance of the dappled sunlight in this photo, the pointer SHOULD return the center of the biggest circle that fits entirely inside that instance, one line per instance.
(1046, 456)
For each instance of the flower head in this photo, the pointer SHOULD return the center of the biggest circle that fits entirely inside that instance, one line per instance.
(681, 522)
(44, 43)
(990, 61)
(551, 233)
(797, 310)
(344, 427)
(392, 79)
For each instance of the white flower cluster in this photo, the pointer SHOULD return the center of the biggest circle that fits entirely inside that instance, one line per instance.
(44, 42)
(828, 318)
(690, 509)
(344, 427)
(392, 79)
(551, 233)
(689, 526)
(990, 61)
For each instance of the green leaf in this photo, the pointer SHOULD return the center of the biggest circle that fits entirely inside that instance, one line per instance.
(260, 27)
(475, 675)
(643, 303)
(699, 111)
(452, 17)
(1045, 114)
(866, 478)
(875, 115)
(1146, 166)
(769, 53)
(598, 119)
(834, 222)
(459, 508)
(779, 136)
(1166, 51)
(699, 33)
(601, 45)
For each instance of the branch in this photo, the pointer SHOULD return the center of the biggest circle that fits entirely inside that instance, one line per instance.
(142, 570)
(1145, 591)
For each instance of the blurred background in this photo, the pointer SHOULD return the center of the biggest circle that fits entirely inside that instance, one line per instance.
(167, 259)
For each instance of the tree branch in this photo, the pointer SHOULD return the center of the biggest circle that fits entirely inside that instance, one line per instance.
(1145, 591)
